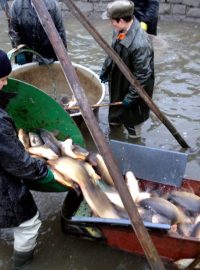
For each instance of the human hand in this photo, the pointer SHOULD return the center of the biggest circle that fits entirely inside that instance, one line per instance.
(20, 59)
(143, 26)
(126, 103)
(103, 76)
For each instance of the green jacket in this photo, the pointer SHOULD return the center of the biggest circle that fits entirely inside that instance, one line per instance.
(136, 51)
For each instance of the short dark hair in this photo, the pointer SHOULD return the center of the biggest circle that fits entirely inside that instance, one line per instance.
(126, 18)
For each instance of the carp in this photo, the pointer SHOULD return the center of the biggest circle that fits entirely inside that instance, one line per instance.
(43, 151)
(24, 138)
(157, 218)
(185, 229)
(49, 140)
(189, 201)
(102, 170)
(35, 139)
(93, 175)
(80, 152)
(164, 208)
(196, 231)
(94, 196)
(63, 180)
(66, 148)
(132, 184)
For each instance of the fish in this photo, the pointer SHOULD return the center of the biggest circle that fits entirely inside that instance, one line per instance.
(63, 180)
(66, 148)
(80, 152)
(157, 218)
(24, 138)
(141, 196)
(145, 214)
(185, 229)
(93, 175)
(35, 139)
(43, 151)
(163, 207)
(92, 158)
(114, 197)
(49, 140)
(37, 157)
(196, 231)
(102, 170)
(92, 193)
(132, 184)
(187, 200)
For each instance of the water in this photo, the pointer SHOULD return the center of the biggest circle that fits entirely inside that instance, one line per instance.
(177, 95)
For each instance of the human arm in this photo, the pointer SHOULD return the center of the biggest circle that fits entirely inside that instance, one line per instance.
(58, 21)
(14, 26)
(14, 159)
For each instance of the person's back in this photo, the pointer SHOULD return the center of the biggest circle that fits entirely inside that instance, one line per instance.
(146, 11)
(29, 31)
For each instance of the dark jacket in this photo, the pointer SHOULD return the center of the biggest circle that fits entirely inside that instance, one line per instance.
(137, 53)
(16, 169)
(28, 29)
(147, 11)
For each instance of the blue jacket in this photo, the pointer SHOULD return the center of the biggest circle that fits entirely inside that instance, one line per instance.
(147, 11)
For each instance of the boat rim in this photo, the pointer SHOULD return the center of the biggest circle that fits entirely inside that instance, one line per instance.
(81, 67)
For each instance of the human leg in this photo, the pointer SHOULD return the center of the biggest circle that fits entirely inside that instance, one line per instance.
(25, 236)
(134, 132)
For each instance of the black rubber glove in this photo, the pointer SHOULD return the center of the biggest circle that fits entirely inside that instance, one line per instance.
(126, 104)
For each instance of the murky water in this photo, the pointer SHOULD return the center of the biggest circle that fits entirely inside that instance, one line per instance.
(177, 94)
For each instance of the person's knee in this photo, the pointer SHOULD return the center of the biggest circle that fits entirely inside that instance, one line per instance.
(26, 233)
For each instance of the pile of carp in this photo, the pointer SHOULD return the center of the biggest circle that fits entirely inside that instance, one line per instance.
(77, 168)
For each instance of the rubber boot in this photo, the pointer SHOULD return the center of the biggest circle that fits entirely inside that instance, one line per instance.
(22, 260)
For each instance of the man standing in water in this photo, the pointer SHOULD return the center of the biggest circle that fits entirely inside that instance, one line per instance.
(146, 11)
(17, 168)
(27, 29)
(134, 47)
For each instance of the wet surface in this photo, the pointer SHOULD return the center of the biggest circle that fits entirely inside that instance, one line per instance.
(176, 93)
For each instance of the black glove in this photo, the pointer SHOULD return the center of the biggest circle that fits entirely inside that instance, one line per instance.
(103, 76)
(20, 59)
(126, 103)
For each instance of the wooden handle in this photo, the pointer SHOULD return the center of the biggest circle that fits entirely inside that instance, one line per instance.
(95, 105)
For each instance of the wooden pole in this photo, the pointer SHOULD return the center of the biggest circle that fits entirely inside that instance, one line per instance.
(91, 122)
(117, 103)
(125, 70)
(194, 263)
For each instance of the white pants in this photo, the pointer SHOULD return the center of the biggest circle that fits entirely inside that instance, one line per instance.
(26, 233)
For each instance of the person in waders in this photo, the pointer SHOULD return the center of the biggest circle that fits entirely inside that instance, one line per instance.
(17, 168)
(135, 48)
(27, 29)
